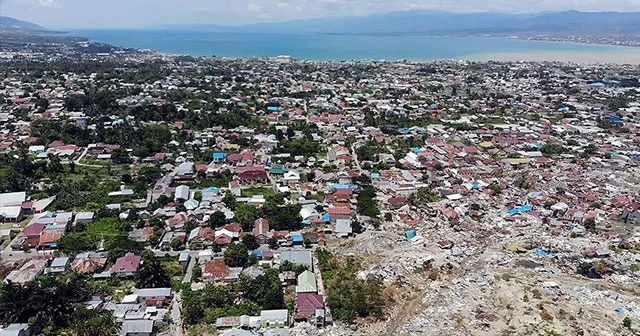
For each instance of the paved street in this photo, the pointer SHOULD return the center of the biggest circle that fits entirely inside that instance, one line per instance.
(189, 273)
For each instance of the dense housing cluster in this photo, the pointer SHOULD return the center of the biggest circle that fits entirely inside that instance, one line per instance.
(283, 197)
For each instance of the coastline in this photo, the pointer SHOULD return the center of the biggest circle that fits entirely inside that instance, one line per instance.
(617, 57)
(251, 46)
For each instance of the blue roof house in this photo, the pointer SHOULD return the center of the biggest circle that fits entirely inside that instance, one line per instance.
(219, 157)
(522, 209)
(297, 239)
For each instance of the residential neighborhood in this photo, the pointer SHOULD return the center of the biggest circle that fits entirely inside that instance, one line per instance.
(174, 195)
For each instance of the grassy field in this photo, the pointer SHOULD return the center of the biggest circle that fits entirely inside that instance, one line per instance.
(104, 226)
(21, 225)
(265, 191)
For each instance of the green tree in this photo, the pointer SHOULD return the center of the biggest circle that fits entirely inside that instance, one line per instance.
(218, 219)
(176, 244)
(627, 322)
(265, 290)
(273, 243)
(196, 273)
(236, 255)
(246, 215)
(48, 302)
(152, 274)
(290, 133)
(229, 199)
(250, 241)
(366, 203)
(590, 225)
(357, 227)
(120, 156)
(93, 322)
(74, 243)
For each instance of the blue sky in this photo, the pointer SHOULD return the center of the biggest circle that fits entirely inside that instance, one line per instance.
(144, 13)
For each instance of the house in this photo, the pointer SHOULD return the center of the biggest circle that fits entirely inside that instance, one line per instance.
(11, 206)
(336, 213)
(253, 176)
(29, 236)
(297, 239)
(84, 217)
(184, 258)
(335, 151)
(386, 159)
(182, 193)
(28, 272)
(219, 157)
(303, 258)
(155, 297)
(17, 329)
(308, 303)
(277, 169)
(12, 199)
(217, 270)
(307, 283)
(142, 235)
(6, 234)
(276, 318)
(200, 237)
(59, 265)
(261, 230)
(630, 216)
(396, 203)
(51, 235)
(11, 214)
(291, 177)
(126, 266)
(88, 263)
(138, 328)
(309, 213)
(343, 228)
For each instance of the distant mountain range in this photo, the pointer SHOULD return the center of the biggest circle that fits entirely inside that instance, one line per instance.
(11, 25)
(446, 23)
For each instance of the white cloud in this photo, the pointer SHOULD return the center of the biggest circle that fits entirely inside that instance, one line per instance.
(144, 13)
(48, 3)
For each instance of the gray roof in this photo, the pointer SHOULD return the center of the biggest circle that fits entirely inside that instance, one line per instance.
(343, 226)
(297, 257)
(137, 326)
(154, 292)
(184, 256)
(237, 332)
(60, 262)
(14, 329)
(274, 315)
(182, 192)
(15, 198)
(185, 168)
(84, 215)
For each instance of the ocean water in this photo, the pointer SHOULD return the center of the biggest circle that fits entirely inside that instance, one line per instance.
(338, 47)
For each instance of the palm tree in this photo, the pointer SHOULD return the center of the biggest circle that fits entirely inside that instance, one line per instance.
(93, 322)
(12, 303)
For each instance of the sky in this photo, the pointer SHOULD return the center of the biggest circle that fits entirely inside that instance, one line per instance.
(77, 14)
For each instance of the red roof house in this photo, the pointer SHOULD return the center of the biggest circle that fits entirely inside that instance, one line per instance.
(309, 302)
(215, 270)
(127, 265)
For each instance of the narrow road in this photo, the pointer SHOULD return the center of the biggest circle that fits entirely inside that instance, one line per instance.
(355, 157)
(176, 316)
(78, 161)
(189, 273)
(321, 290)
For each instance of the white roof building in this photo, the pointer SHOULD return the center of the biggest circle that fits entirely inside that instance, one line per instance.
(182, 192)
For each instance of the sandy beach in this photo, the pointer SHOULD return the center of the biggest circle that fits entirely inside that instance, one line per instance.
(623, 56)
